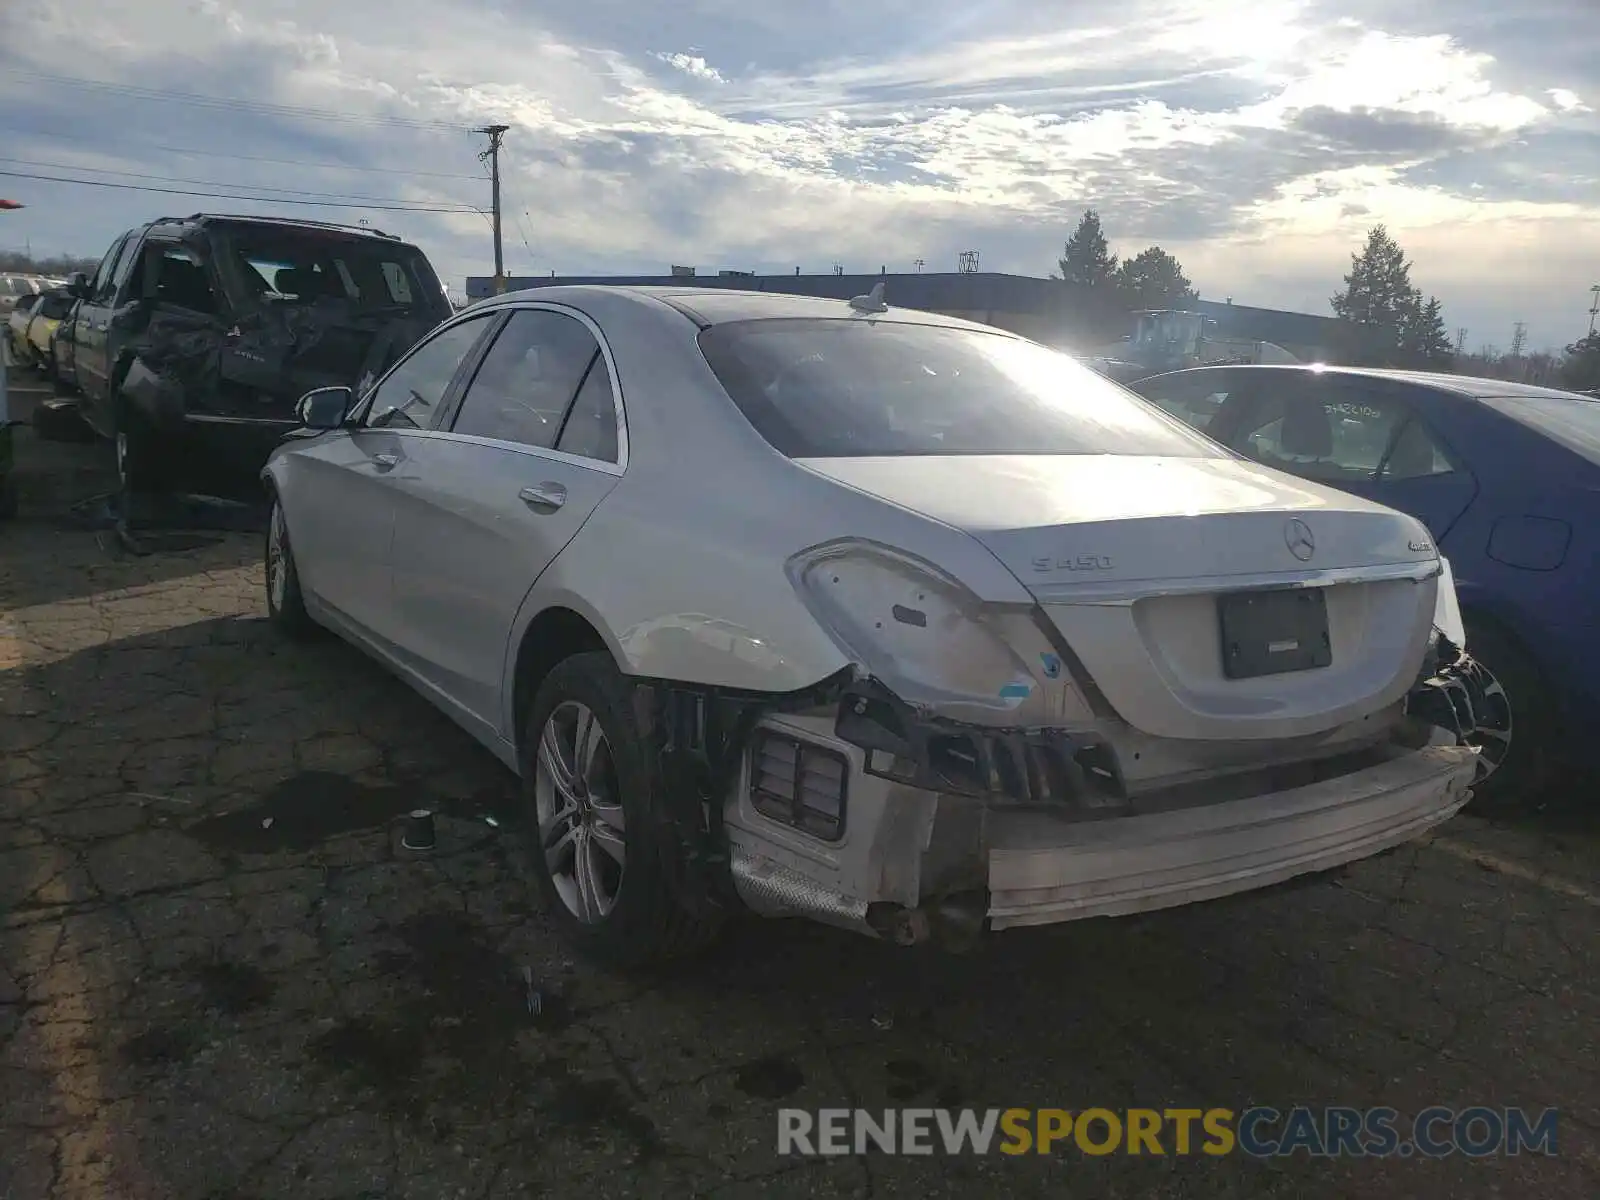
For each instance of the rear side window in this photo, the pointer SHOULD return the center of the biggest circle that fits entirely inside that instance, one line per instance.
(858, 388)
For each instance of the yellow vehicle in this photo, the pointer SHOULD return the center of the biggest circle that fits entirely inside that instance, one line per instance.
(16, 331)
(52, 309)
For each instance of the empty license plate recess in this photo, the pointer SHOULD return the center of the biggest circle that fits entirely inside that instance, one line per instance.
(1271, 632)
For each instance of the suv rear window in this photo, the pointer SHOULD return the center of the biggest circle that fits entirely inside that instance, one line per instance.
(285, 267)
(851, 388)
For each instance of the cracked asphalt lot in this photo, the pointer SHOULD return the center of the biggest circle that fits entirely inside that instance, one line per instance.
(221, 975)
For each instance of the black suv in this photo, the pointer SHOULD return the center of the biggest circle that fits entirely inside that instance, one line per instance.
(197, 336)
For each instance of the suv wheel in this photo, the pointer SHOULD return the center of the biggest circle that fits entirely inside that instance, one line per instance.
(139, 462)
(592, 816)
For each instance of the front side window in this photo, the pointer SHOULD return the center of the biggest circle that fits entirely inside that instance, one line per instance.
(100, 286)
(840, 388)
(410, 396)
(528, 379)
(1193, 399)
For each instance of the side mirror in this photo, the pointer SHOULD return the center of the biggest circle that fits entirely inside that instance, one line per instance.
(78, 285)
(325, 408)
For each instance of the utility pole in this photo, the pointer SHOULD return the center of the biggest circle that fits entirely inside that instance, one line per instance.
(496, 134)
(1594, 309)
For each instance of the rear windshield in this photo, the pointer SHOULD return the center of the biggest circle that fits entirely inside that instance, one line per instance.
(1573, 423)
(853, 388)
(285, 267)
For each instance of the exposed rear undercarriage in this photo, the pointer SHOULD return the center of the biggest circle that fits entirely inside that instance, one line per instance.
(846, 805)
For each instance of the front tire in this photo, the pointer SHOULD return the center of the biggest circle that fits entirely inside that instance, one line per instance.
(286, 605)
(593, 824)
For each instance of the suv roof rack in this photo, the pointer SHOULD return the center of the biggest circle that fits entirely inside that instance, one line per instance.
(367, 230)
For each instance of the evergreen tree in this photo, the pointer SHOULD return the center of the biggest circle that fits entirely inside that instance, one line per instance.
(1378, 291)
(1154, 279)
(1086, 259)
(1424, 340)
(1581, 368)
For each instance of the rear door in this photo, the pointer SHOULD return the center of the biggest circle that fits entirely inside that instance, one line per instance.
(1419, 474)
(1361, 436)
(342, 503)
(482, 510)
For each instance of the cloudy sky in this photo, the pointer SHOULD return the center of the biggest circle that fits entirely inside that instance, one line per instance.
(1256, 139)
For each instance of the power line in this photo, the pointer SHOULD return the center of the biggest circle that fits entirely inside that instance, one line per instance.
(134, 187)
(54, 135)
(301, 192)
(262, 107)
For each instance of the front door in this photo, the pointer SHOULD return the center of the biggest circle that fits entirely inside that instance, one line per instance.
(483, 509)
(344, 500)
(89, 351)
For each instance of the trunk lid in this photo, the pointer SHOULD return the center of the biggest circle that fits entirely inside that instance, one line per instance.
(1132, 559)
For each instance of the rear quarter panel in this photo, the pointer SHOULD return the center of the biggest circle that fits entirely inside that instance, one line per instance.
(1526, 552)
(682, 566)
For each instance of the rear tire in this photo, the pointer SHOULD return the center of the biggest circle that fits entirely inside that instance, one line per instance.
(286, 604)
(598, 815)
(141, 467)
(1518, 735)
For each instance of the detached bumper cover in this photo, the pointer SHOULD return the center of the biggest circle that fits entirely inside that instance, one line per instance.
(1043, 869)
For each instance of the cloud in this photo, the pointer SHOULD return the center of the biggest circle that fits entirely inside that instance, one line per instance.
(692, 65)
(1238, 133)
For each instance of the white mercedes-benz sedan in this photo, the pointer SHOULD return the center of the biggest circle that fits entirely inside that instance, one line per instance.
(823, 608)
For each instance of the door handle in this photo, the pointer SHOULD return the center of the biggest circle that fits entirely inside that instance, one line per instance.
(546, 495)
(386, 462)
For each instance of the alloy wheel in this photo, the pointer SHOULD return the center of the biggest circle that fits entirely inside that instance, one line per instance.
(277, 559)
(1491, 711)
(579, 812)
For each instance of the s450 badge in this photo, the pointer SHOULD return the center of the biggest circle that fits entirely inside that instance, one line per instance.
(1080, 562)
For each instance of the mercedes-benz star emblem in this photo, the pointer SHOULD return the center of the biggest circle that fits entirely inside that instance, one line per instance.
(1298, 537)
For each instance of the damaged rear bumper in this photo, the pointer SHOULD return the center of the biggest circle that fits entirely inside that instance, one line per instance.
(1043, 869)
(876, 819)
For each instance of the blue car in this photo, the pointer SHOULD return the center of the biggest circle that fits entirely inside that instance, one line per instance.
(1507, 479)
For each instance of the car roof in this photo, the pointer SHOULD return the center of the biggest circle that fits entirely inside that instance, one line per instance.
(708, 306)
(364, 232)
(1471, 386)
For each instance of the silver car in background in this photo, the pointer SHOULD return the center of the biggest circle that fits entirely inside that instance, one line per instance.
(877, 617)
